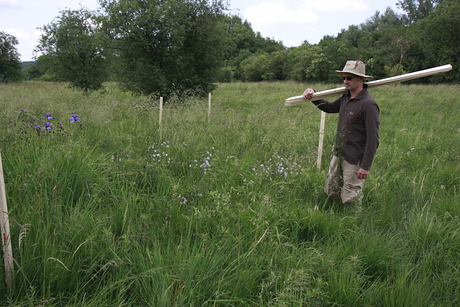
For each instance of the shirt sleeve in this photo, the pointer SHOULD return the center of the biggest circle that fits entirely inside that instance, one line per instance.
(372, 122)
(328, 106)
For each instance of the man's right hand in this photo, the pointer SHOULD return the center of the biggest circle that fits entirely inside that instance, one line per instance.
(308, 94)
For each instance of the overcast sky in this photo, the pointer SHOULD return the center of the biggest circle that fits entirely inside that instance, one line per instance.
(289, 21)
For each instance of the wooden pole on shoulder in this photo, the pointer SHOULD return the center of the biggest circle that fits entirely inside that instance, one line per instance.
(341, 90)
(5, 230)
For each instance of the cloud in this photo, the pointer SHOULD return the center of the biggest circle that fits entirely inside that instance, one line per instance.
(266, 14)
(10, 4)
(27, 42)
(337, 5)
(18, 33)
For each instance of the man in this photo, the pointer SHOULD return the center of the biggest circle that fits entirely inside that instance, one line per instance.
(357, 136)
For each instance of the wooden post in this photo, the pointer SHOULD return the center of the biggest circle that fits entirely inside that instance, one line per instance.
(5, 230)
(321, 138)
(161, 114)
(209, 108)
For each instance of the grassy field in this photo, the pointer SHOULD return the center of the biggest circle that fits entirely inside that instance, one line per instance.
(108, 211)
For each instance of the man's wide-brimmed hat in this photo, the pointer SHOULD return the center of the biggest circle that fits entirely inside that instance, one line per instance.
(356, 68)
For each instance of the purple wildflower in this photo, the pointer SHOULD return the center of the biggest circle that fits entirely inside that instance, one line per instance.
(48, 116)
(47, 126)
(74, 118)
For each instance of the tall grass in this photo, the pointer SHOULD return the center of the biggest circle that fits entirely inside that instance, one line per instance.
(107, 212)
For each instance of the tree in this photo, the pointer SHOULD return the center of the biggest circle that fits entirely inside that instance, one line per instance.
(10, 64)
(240, 35)
(336, 51)
(32, 72)
(243, 43)
(44, 68)
(166, 46)
(255, 67)
(439, 36)
(298, 62)
(417, 9)
(388, 20)
(74, 49)
(393, 46)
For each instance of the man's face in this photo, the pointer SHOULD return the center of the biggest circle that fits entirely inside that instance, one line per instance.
(353, 83)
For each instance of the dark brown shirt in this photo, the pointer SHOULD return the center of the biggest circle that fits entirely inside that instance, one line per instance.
(357, 137)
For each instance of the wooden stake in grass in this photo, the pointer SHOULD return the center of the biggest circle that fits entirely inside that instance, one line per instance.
(209, 108)
(161, 114)
(5, 229)
(321, 138)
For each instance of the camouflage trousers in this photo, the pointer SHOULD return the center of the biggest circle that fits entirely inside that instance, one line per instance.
(342, 181)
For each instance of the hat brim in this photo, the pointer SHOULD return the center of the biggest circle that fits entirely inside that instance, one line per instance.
(341, 72)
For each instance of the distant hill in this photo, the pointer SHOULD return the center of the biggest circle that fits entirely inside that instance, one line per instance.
(27, 64)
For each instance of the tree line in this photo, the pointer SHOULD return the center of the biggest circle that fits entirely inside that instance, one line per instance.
(390, 44)
(165, 47)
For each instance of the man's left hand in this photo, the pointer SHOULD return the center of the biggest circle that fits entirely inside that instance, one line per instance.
(362, 173)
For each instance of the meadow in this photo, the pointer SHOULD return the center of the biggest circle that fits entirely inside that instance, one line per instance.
(106, 210)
